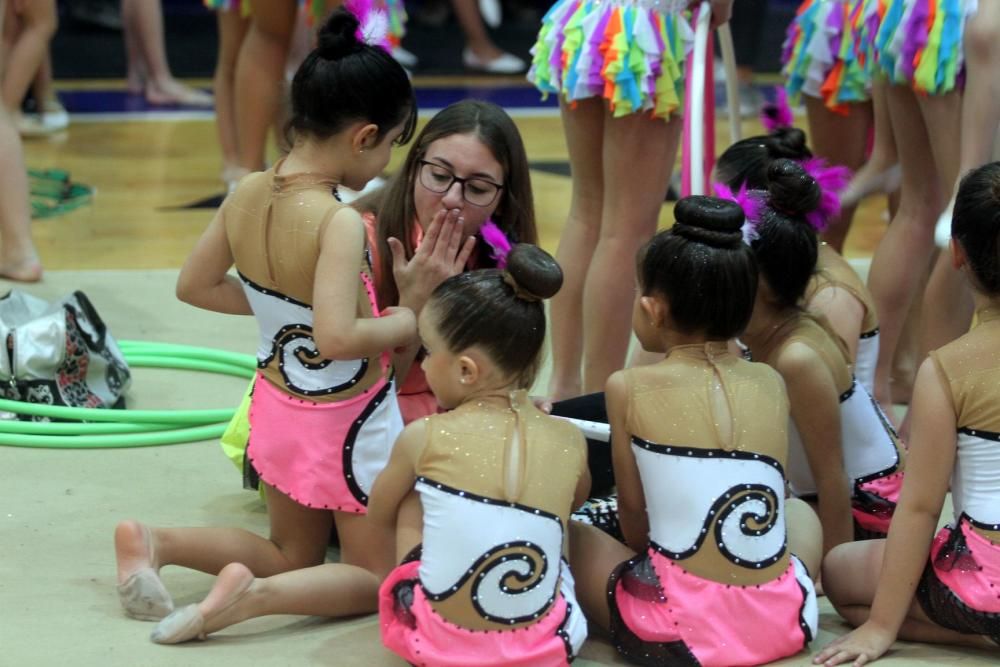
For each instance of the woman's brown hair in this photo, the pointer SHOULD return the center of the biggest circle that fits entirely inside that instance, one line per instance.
(394, 207)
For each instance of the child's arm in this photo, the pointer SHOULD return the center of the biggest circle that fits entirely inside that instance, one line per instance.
(338, 331)
(204, 281)
(815, 409)
(929, 465)
(396, 480)
(844, 312)
(631, 499)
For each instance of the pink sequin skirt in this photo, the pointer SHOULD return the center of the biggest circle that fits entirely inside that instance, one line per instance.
(322, 455)
(873, 505)
(413, 630)
(960, 588)
(663, 615)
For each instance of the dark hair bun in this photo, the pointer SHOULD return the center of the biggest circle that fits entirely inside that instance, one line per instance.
(790, 142)
(709, 220)
(338, 36)
(790, 189)
(535, 271)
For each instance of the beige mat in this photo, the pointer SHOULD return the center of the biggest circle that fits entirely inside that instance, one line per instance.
(58, 509)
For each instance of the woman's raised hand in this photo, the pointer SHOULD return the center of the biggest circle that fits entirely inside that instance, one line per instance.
(443, 253)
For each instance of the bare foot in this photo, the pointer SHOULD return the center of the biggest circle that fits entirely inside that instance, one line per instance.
(174, 92)
(24, 271)
(140, 590)
(218, 610)
(870, 180)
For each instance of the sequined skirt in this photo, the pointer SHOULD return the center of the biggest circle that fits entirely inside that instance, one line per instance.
(960, 587)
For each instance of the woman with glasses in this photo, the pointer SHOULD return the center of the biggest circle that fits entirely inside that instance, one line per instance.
(467, 167)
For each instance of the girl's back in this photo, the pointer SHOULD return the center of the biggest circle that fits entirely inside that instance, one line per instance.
(274, 225)
(495, 511)
(971, 368)
(709, 432)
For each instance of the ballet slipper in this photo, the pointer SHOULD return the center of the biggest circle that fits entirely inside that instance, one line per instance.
(143, 596)
(176, 93)
(140, 591)
(181, 626)
(195, 621)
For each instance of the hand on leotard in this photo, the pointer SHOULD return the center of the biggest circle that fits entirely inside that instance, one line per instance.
(443, 253)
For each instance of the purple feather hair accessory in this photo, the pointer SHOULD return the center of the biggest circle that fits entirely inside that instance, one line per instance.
(831, 182)
(778, 114)
(498, 241)
(751, 203)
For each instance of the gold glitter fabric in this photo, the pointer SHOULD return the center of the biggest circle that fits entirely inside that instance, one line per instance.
(832, 270)
(971, 368)
(703, 396)
(469, 448)
(273, 224)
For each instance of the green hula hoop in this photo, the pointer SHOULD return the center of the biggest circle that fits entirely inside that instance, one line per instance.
(98, 428)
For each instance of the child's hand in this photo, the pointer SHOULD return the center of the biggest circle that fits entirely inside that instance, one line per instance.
(442, 254)
(863, 645)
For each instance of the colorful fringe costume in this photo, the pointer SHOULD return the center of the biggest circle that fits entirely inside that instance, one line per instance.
(820, 58)
(630, 52)
(919, 43)
(229, 5)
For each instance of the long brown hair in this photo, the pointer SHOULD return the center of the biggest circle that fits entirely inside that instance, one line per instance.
(394, 207)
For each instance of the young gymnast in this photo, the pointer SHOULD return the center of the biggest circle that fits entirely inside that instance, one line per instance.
(486, 490)
(843, 451)
(950, 597)
(323, 415)
(496, 480)
(617, 67)
(699, 445)
(835, 290)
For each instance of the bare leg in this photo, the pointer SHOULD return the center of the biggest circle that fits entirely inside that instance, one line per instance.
(232, 30)
(330, 589)
(142, 21)
(260, 70)
(805, 534)
(37, 23)
(840, 140)
(593, 556)
(474, 29)
(18, 257)
(298, 539)
(904, 252)
(881, 172)
(632, 201)
(584, 127)
(851, 573)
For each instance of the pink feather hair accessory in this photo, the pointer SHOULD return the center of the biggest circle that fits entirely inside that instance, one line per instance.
(831, 181)
(498, 241)
(752, 204)
(373, 22)
(778, 114)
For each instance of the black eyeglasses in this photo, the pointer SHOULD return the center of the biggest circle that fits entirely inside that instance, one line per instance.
(476, 191)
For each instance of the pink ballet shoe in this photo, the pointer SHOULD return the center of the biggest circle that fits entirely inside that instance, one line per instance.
(181, 626)
(143, 596)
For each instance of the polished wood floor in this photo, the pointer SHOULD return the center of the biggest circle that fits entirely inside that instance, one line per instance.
(143, 170)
